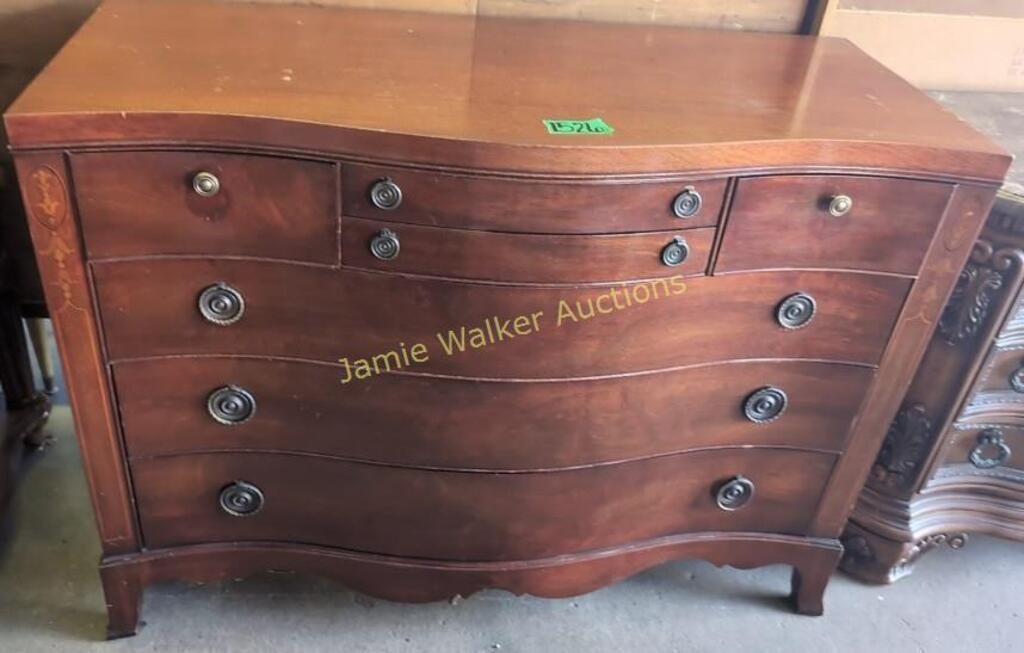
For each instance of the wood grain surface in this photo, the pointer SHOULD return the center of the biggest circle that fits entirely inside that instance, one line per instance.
(454, 423)
(149, 309)
(459, 516)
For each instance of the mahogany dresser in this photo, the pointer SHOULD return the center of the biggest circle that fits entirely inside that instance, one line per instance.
(953, 459)
(430, 304)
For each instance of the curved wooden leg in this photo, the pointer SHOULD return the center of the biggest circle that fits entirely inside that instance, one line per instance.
(809, 580)
(123, 593)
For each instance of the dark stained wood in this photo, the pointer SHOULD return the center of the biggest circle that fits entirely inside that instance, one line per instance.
(412, 580)
(425, 421)
(761, 101)
(957, 451)
(149, 309)
(887, 230)
(780, 120)
(444, 515)
(924, 492)
(55, 235)
(529, 258)
(510, 204)
(961, 222)
(139, 203)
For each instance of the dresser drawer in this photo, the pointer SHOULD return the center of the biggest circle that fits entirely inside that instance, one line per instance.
(512, 257)
(472, 516)
(170, 406)
(155, 203)
(986, 449)
(529, 205)
(998, 392)
(801, 222)
(149, 308)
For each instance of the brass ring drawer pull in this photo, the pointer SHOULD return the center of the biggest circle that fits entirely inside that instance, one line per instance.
(241, 499)
(687, 203)
(1016, 380)
(765, 404)
(385, 245)
(796, 311)
(385, 194)
(221, 304)
(675, 252)
(205, 184)
(840, 205)
(231, 405)
(989, 440)
(735, 493)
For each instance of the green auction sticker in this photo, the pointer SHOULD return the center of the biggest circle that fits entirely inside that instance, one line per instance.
(591, 126)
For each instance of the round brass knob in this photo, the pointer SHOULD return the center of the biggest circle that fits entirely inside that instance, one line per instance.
(765, 404)
(795, 311)
(675, 252)
(206, 184)
(840, 205)
(385, 245)
(241, 499)
(231, 405)
(735, 493)
(221, 304)
(385, 194)
(990, 450)
(687, 203)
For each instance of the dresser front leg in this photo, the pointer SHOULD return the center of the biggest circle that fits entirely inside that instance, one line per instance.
(123, 593)
(809, 580)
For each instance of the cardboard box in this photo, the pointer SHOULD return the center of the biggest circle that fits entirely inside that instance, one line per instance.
(970, 45)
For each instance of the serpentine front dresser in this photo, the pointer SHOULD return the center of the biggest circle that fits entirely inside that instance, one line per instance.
(430, 304)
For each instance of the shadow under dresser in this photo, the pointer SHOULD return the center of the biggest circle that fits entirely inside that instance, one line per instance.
(428, 312)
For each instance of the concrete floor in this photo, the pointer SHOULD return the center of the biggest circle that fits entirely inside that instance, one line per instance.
(50, 598)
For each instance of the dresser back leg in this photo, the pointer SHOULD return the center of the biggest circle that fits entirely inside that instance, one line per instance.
(809, 580)
(123, 592)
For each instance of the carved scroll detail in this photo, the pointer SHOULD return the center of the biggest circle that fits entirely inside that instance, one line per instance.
(905, 447)
(977, 289)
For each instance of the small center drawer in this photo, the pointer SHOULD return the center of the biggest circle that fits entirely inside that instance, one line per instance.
(833, 222)
(528, 258)
(528, 205)
(163, 203)
(991, 449)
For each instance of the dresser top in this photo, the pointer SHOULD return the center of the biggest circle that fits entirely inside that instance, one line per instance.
(473, 92)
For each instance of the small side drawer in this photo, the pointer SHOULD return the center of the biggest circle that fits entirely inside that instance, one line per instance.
(474, 516)
(986, 450)
(528, 258)
(836, 222)
(528, 205)
(998, 393)
(162, 203)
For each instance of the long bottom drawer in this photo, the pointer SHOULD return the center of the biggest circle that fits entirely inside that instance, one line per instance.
(473, 516)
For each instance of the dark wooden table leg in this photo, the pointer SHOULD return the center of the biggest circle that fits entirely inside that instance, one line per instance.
(809, 580)
(123, 593)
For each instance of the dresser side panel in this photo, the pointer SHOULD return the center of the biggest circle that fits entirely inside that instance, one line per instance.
(47, 194)
(946, 255)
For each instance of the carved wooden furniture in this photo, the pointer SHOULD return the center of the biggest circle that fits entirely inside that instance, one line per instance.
(455, 303)
(953, 457)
